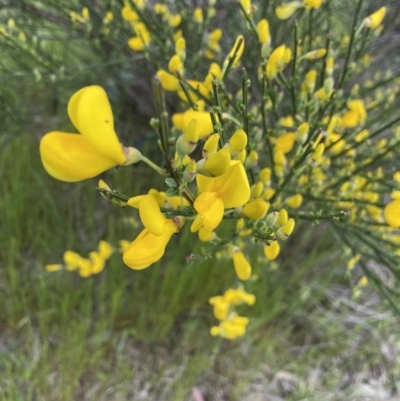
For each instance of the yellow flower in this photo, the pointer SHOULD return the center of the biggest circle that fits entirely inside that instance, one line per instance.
(204, 124)
(142, 39)
(285, 11)
(285, 142)
(294, 201)
(198, 15)
(148, 248)
(356, 115)
(277, 61)
(128, 14)
(71, 157)
(263, 32)
(231, 328)
(238, 296)
(71, 260)
(226, 191)
(312, 4)
(392, 213)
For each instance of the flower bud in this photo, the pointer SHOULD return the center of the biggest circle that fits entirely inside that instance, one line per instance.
(285, 11)
(265, 175)
(279, 157)
(294, 201)
(317, 155)
(328, 85)
(175, 64)
(271, 219)
(190, 171)
(256, 190)
(302, 133)
(211, 145)
(315, 54)
(242, 266)
(198, 15)
(375, 19)
(330, 63)
(237, 142)
(242, 156)
(180, 48)
(284, 232)
(311, 76)
(132, 156)
(283, 218)
(251, 160)
(240, 224)
(255, 210)
(263, 32)
(272, 250)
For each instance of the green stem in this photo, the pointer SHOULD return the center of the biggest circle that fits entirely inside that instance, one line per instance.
(182, 84)
(152, 165)
(350, 48)
(232, 60)
(245, 89)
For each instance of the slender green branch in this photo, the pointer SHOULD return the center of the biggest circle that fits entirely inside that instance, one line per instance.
(182, 84)
(232, 60)
(218, 110)
(350, 48)
(245, 92)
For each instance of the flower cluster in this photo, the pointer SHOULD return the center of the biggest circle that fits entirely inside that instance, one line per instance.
(86, 267)
(297, 135)
(231, 325)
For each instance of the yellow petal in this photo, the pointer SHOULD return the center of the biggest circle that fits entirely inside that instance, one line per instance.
(272, 250)
(148, 248)
(70, 158)
(105, 249)
(204, 124)
(90, 112)
(285, 142)
(242, 266)
(218, 163)
(151, 216)
(168, 81)
(211, 209)
(256, 209)
(233, 186)
(136, 43)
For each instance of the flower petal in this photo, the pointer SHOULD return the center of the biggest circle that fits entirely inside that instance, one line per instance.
(90, 112)
(148, 248)
(70, 158)
(233, 186)
(151, 216)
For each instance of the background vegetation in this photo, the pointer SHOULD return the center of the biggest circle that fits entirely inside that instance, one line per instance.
(126, 335)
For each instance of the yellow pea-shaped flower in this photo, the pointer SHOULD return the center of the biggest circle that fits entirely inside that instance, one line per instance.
(70, 157)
